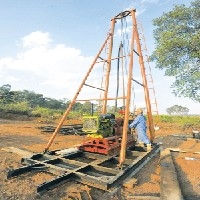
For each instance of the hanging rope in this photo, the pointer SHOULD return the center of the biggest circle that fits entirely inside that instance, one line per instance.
(118, 62)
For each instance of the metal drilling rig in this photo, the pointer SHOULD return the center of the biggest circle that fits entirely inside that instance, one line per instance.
(109, 147)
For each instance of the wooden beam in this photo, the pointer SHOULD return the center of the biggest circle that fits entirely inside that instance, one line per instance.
(18, 151)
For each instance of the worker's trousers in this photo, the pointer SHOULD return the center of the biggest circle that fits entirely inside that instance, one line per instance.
(142, 136)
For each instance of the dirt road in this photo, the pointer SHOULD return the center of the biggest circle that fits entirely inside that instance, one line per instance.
(26, 135)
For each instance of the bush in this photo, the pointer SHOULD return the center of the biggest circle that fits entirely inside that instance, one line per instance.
(21, 108)
(43, 112)
(184, 121)
(74, 115)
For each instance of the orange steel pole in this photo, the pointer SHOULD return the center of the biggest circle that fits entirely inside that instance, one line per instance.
(108, 66)
(75, 97)
(128, 99)
(146, 91)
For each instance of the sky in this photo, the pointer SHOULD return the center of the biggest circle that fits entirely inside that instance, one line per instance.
(48, 46)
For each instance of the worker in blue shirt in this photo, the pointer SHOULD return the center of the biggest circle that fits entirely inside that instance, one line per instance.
(139, 124)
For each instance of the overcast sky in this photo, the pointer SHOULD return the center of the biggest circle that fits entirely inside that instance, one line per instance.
(47, 46)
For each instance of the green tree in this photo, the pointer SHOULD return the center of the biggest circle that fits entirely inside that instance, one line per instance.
(31, 97)
(6, 96)
(77, 106)
(177, 109)
(177, 51)
(86, 107)
(53, 103)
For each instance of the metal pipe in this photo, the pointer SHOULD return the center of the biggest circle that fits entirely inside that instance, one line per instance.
(92, 109)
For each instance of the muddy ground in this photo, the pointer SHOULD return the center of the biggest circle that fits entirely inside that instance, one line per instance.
(26, 135)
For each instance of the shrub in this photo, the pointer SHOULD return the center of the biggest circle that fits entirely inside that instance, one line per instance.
(16, 108)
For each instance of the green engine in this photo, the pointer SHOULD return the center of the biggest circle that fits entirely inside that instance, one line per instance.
(99, 126)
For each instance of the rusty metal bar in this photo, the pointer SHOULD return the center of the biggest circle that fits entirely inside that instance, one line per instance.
(128, 99)
(53, 183)
(75, 97)
(73, 167)
(113, 58)
(25, 169)
(138, 82)
(94, 87)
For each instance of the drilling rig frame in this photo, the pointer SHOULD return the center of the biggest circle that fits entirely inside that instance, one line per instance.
(106, 169)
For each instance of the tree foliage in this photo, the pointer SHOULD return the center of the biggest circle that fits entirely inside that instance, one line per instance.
(31, 98)
(30, 103)
(177, 109)
(177, 51)
(6, 96)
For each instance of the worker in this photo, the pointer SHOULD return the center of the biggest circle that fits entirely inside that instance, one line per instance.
(139, 124)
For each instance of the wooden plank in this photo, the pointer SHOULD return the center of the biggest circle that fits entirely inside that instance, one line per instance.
(193, 150)
(170, 188)
(142, 197)
(18, 151)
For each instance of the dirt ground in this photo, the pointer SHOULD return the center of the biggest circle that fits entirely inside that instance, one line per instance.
(26, 135)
